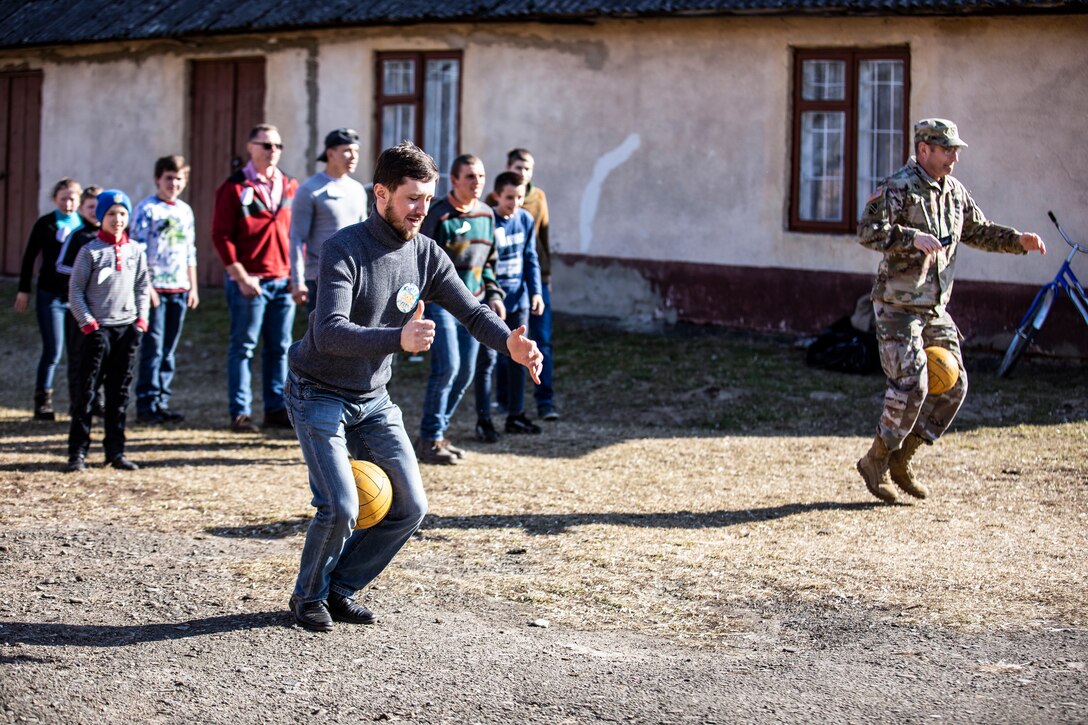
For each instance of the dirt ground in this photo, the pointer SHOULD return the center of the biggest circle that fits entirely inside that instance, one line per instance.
(699, 550)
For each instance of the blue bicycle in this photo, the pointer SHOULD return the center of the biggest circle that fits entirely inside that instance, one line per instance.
(1040, 307)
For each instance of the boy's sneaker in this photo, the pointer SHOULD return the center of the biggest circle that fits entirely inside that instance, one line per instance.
(149, 417)
(123, 464)
(170, 416)
(76, 464)
(433, 452)
(486, 432)
(548, 413)
(278, 419)
(445, 443)
(521, 424)
(242, 423)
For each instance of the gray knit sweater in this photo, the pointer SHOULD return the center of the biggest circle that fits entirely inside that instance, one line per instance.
(368, 281)
(102, 295)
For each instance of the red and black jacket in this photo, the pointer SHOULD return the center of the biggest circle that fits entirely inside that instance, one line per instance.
(249, 232)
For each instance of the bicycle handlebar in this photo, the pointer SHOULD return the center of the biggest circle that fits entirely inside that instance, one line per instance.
(1065, 236)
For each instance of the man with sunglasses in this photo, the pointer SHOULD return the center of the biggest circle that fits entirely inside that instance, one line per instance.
(251, 232)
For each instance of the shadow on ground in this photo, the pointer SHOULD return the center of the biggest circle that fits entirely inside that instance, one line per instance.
(550, 524)
(53, 634)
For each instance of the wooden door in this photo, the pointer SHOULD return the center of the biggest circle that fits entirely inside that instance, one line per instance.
(226, 101)
(20, 148)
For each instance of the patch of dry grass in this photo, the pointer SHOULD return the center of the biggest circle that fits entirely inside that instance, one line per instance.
(662, 509)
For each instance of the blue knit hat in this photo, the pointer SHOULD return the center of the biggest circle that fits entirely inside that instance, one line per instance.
(111, 197)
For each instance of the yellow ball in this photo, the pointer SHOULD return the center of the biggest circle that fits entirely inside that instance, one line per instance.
(944, 371)
(375, 493)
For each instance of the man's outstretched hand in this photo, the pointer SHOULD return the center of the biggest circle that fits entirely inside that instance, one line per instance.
(418, 334)
(1032, 243)
(525, 352)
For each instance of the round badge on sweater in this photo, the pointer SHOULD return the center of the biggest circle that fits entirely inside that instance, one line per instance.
(407, 297)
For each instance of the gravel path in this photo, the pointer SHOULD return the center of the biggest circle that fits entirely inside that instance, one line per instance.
(116, 625)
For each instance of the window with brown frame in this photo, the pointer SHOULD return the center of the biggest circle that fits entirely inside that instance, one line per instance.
(419, 99)
(850, 122)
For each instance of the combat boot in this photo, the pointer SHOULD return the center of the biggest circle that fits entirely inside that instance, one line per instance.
(873, 467)
(43, 405)
(900, 469)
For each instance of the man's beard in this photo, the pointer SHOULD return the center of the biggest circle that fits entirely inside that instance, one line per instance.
(400, 226)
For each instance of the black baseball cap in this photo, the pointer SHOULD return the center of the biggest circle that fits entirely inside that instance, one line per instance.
(339, 137)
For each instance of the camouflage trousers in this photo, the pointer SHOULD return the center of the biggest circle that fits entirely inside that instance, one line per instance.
(902, 333)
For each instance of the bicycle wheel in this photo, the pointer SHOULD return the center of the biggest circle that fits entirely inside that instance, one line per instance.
(1024, 335)
(1020, 341)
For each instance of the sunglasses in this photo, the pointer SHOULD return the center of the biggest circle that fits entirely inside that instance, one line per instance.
(268, 145)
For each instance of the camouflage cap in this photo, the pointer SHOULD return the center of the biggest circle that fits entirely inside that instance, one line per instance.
(938, 131)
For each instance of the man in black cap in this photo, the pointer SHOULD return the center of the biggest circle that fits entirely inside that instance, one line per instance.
(326, 203)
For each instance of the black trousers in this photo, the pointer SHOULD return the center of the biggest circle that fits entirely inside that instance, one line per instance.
(107, 356)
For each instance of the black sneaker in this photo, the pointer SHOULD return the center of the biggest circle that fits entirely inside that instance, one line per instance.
(548, 413)
(76, 464)
(123, 464)
(486, 432)
(521, 424)
(344, 609)
(149, 417)
(170, 416)
(278, 419)
(313, 616)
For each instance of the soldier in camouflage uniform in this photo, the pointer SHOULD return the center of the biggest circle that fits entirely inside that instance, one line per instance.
(917, 219)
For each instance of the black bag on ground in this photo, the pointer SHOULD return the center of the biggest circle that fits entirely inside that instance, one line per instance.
(845, 349)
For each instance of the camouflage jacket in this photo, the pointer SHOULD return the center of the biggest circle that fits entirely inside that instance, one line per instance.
(910, 201)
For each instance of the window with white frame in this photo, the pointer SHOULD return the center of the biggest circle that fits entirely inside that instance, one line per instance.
(419, 99)
(850, 122)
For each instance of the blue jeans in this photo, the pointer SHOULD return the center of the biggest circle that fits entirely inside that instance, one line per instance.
(270, 315)
(540, 330)
(50, 309)
(510, 380)
(453, 363)
(157, 361)
(332, 430)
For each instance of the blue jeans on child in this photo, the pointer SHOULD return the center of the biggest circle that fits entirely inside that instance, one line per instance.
(270, 316)
(510, 383)
(453, 363)
(332, 430)
(50, 310)
(540, 331)
(157, 360)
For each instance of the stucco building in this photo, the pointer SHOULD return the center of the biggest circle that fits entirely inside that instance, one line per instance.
(704, 161)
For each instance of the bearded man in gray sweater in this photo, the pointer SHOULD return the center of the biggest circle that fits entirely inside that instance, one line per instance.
(375, 278)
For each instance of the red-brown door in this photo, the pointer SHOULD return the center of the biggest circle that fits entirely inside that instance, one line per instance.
(226, 101)
(20, 145)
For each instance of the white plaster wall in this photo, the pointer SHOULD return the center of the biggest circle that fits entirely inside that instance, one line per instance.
(709, 101)
(286, 106)
(105, 123)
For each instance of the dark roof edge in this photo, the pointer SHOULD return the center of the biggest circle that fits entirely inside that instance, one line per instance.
(846, 10)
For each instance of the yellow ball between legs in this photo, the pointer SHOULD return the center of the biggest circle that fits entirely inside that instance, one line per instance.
(375, 493)
(944, 371)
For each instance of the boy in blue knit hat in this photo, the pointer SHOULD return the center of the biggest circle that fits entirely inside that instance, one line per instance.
(109, 296)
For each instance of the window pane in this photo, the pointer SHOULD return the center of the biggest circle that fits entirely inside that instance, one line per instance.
(880, 123)
(440, 115)
(823, 80)
(398, 124)
(822, 145)
(398, 78)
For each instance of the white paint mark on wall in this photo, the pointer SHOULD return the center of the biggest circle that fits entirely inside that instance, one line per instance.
(605, 165)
